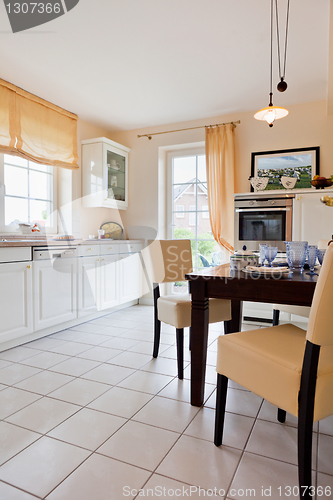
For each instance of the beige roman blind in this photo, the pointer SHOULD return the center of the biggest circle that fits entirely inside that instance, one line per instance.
(36, 129)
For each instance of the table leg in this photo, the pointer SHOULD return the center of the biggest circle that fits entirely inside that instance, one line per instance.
(199, 337)
(235, 324)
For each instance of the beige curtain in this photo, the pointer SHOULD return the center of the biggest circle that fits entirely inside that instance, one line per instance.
(38, 130)
(220, 164)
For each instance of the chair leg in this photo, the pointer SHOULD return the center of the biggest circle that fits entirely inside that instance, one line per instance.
(281, 415)
(221, 398)
(157, 323)
(276, 317)
(305, 417)
(180, 351)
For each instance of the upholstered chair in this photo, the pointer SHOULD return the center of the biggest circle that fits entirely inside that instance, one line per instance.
(168, 261)
(290, 368)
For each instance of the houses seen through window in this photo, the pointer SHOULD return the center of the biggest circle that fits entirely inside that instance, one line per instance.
(190, 215)
(28, 194)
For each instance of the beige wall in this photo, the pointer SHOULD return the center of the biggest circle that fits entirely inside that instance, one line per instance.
(82, 221)
(307, 125)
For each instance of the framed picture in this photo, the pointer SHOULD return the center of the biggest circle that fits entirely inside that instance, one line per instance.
(285, 169)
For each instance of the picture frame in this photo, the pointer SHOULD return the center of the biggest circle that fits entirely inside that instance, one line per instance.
(282, 166)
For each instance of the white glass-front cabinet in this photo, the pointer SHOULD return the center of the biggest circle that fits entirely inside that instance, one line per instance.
(104, 173)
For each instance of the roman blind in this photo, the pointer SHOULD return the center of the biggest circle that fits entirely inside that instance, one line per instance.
(36, 129)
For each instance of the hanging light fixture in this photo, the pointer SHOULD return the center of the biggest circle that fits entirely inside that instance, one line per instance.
(272, 113)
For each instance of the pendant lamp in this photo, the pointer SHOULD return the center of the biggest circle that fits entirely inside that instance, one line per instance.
(272, 113)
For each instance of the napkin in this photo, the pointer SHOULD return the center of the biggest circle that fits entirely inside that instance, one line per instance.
(266, 269)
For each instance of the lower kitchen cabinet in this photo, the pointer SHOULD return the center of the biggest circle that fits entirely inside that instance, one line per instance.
(55, 292)
(130, 277)
(15, 300)
(109, 294)
(88, 285)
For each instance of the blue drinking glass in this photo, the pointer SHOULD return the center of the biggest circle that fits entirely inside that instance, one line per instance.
(312, 257)
(296, 254)
(320, 255)
(262, 253)
(271, 253)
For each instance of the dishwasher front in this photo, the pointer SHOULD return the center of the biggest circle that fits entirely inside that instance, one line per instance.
(55, 285)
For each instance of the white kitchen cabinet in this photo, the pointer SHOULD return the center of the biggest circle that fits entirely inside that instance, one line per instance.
(312, 220)
(15, 300)
(55, 291)
(104, 174)
(88, 285)
(130, 276)
(109, 282)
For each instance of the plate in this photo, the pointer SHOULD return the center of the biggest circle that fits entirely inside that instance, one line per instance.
(113, 230)
(266, 271)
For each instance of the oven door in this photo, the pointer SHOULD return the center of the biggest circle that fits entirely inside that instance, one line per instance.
(270, 225)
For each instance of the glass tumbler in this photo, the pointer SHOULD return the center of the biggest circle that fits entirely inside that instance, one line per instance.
(320, 255)
(262, 253)
(296, 254)
(271, 253)
(312, 257)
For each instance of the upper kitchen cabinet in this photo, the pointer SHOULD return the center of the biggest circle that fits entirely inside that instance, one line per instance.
(104, 174)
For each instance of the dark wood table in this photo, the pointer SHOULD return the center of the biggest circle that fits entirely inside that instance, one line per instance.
(219, 282)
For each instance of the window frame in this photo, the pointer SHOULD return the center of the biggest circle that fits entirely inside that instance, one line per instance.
(177, 153)
(50, 229)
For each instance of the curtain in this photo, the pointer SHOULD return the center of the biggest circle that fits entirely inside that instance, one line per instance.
(220, 164)
(38, 130)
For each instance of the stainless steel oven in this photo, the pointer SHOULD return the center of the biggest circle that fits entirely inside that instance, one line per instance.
(263, 219)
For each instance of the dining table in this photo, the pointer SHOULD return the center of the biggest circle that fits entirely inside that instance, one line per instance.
(293, 288)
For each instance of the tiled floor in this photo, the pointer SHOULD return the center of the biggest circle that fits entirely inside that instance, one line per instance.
(87, 414)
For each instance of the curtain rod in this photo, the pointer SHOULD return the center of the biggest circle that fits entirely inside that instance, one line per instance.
(149, 136)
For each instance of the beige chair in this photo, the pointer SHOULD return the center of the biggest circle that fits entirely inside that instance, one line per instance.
(290, 368)
(298, 310)
(168, 261)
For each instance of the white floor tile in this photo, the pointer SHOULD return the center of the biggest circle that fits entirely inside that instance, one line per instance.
(80, 391)
(171, 353)
(17, 354)
(180, 390)
(147, 348)
(100, 478)
(198, 462)
(260, 474)
(93, 339)
(71, 348)
(236, 428)
(44, 360)
(108, 374)
(130, 359)
(15, 373)
(238, 401)
(325, 451)
(45, 343)
(211, 375)
(75, 366)
(167, 413)
(4, 363)
(269, 412)
(13, 440)
(160, 486)
(44, 382)
(325, 485)
(122, 402)
(139, 444)
(142, 381)
(99, 354)
(109, 330)
(138, 335)
(43, 415)
(10, 493)
(87, 428)
(326, 425)
(68, 335)
(164, 366)
(13, 400)
(42, 466)
(85, 327)
(120, 343)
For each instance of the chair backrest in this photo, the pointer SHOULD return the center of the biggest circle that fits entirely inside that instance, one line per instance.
(168, 261)
(320, 328)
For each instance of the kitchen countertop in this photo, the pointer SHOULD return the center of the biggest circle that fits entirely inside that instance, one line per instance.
(25, 242)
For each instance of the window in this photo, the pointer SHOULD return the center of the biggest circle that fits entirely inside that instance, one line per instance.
(29, 193)
(180, 211)
(188, 188)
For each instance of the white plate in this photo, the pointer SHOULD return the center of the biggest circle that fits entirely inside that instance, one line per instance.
(266, 271)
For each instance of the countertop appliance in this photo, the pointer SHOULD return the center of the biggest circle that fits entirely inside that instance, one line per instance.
(263, 219)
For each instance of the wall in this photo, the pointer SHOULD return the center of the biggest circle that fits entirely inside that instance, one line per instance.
(306, 125)
(78, 220)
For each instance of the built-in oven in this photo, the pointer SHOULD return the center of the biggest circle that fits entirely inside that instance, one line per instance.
(263, 219)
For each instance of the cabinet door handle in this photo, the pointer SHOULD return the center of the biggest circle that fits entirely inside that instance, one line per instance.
(97, 260)
(29, 267)
(102, 259)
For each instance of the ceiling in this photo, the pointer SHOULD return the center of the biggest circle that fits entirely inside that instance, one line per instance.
(127, 64)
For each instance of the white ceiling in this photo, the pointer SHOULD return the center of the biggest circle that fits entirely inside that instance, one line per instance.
(126, 64)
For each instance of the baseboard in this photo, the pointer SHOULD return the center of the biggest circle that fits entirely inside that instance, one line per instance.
(146, 302)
